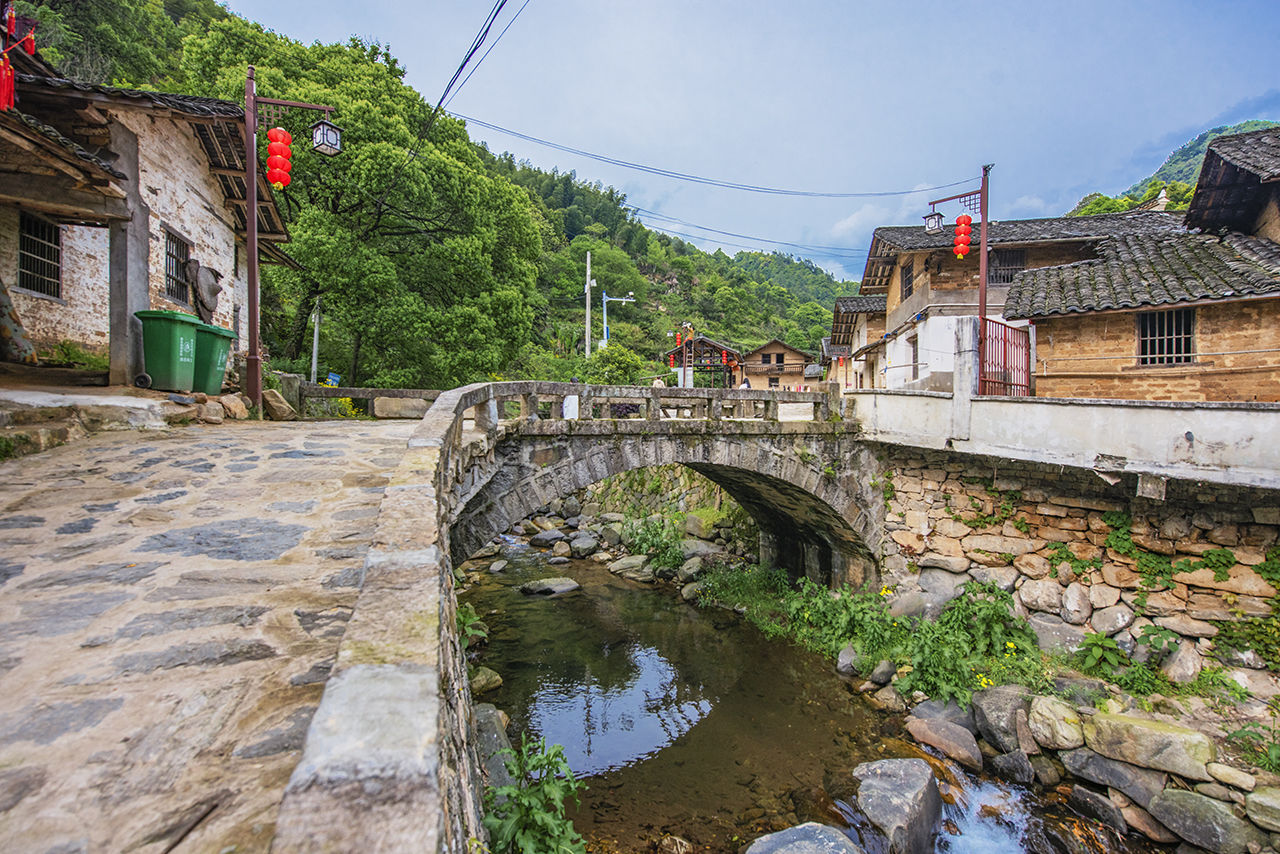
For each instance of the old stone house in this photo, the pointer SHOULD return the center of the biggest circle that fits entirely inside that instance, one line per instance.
(857, 328)
(105, 194)
(703, 362)
(926, 288)
(775, 364)
(1187, 314)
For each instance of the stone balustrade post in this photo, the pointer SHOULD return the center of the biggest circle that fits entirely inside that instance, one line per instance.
(771, 409)
(716, 404)
(486, 415)
(964, 383)
(529, 407)
(586, 405)
(653, 406)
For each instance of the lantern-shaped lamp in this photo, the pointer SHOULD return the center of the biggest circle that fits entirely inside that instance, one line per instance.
(933, 223)
(326, 137)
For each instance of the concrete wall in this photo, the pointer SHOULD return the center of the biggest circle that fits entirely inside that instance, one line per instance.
(1095, 356)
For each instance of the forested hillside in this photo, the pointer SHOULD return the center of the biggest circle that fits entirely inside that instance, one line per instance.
(438, 262)
(1176, 176)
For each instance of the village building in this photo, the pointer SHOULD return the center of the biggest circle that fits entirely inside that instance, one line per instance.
(106, 195)
(702, 362)
(927, 288)
(776, 364)
(857, 328)
(1178, 315)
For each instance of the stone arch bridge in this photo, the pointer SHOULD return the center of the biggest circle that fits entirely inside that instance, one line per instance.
(388, 763)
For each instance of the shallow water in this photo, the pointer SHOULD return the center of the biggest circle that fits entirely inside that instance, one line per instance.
(688, 721)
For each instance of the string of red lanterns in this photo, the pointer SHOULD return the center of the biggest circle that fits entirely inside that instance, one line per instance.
(964, 231)
(27, 43)
(279, 157)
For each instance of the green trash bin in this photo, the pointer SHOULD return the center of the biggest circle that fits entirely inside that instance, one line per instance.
(169, 349)
(213, 343)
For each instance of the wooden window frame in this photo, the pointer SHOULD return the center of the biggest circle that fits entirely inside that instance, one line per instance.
(39, 273)
(1005, 264)
(907, 280)
(176, 287)
(780, 358)
(764, 359)
(1166, 338)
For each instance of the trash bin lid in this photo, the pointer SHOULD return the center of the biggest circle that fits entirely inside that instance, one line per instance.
(215, 330)
(169, 315)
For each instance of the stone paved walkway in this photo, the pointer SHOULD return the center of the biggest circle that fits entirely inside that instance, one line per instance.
(169, 607)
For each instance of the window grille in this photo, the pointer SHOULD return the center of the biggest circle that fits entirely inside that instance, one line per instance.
(764, 358)
(39, 255)
(780, 358)
(1166, 337)
(176, 254)
(1004, 264)
(908, 279)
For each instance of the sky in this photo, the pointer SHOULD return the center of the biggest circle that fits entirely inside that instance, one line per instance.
(830, 96)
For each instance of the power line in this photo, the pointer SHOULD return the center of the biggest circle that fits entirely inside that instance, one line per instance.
(842, 251)
(698, 179)
(487, 52)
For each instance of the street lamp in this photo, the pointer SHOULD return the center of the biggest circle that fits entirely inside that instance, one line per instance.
(605, 299)
(975, 201)
(327, 139)
(933, 223)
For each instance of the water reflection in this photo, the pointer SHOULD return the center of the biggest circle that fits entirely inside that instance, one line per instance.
(607, 727)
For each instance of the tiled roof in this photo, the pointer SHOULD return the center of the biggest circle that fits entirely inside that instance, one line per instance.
(1257, 151)
(862, 303)
(53, 135)
(1137, 270)
(190, 105)
(913, 237)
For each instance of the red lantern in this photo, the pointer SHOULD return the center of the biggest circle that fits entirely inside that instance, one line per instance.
(672, 359)
(279, 157)
(724, 357)
(29, 42)
(11, 22)
(6, 85)
(963, 232)
(678, 339)
(964, 219)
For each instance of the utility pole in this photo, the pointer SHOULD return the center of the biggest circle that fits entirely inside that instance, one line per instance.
(315, 342)
(586, 341)
(604, 308)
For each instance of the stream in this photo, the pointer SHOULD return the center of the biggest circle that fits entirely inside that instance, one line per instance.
(690, 722)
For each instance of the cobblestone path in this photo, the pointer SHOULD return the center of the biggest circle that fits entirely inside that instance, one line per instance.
(170, 604)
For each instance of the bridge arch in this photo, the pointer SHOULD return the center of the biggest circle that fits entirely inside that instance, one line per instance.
(815, 518)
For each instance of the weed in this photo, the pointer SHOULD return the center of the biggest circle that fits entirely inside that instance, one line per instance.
(1060, 554)
(1101, 656)
(71, 353)
(528, 817)
(1006, 505)
(1219, 560)
(471, 629)
(657, 538)
(1261, 742)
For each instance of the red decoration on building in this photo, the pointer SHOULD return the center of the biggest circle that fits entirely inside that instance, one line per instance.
(677, 339)
(724, 357)
(672, 359)
(29, 42)
(11, 21)
(279, 157)
(6, 85)
(963, 238)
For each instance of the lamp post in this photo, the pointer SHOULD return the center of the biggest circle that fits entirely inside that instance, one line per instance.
(975, 201)
(326, 138)
(605, 299)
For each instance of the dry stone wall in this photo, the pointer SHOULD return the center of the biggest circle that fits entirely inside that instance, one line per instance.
(1082, 554)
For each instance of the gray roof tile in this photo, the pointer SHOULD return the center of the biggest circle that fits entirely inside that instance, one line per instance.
(1257, 151)
(1141, 270)
(862, 303)
(913, 238)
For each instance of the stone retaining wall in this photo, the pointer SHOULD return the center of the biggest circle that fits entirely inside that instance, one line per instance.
(1045, 536)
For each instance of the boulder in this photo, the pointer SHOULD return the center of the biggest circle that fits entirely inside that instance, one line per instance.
(995, 712)
(491, 739)
(571, 506)
(211, 412)
(675, 845)
(400, 407)
(276, 407)
(696, 526)
(628, 563)
(1241, 780)
(1015, 767)
(1042, 595)
(1187, 626)
(809, 838)
(883, 672)
(1054, 724)
(543, 539)
(693, 547)
(1047, 773)
(1032, 566)
(1263, 806)
(887, 699)
(234, 407)
(691, 592)
(847, 661)
(1205, 822)
(1184, 665)
(1103, 596)
(558, 560)
(499, 565)
(1139, 784)
(900, 798)
(939, 587)
(1112, 619)
(1151, 744)
(1076, 608)
(583, 546)
(611, 535)
(1003, 577)
(1099, 808)
(1145, 823)
(1054, 634)
(483, 679)
(549, 586)
(689, 570)
(561, 549)
(950, 711)
(954, 741)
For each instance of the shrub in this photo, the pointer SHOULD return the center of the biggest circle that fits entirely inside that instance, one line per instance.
(528, 817)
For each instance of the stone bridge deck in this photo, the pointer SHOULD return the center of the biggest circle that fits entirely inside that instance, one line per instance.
(170, 606)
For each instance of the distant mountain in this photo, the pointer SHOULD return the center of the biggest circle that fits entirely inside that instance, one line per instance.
(1184, 163)
(1176, 177)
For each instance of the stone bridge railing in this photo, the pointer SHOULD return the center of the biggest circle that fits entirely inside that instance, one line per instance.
(388, 763)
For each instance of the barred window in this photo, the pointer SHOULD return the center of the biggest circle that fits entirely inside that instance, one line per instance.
(1004, 264)
(764, 358)
(39, 255)
(1166, 337)
(176, 254)
(908, 279)
(780, 358)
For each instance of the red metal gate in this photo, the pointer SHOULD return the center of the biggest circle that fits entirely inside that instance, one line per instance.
(1004, 359)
